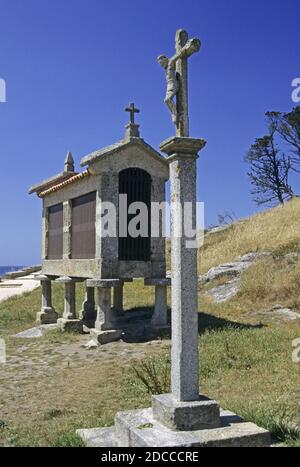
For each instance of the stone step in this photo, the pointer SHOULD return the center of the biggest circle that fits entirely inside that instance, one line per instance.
(98, 437)
(138, 428)
(232, 433)
(124, 421)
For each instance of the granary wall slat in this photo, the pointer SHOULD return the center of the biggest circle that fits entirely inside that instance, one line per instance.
(83, 232)
(55, 232)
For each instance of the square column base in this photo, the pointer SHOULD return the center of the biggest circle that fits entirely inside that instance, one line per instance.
(138, 428)
(105, 337)
(186, 416)
(70, 325)
(47, 316)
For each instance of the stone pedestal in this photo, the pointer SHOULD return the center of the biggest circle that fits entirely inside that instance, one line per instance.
(202, 414)
(104, 330)
(160, 315)
(47, 315)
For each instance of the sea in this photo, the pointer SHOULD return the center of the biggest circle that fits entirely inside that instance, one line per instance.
(5, 269)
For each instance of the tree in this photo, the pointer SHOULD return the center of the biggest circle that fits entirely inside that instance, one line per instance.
(269, 170)
(287, 125)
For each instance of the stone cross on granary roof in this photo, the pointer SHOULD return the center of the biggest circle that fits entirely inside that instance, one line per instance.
(132, 129)
(132, 110)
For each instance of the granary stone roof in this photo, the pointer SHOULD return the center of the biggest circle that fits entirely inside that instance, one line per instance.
(114, 148)
(59, 186)
(49, 182)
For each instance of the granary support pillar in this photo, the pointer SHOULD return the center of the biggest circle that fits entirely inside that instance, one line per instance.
(69, 321)
(160, 315)
(70, 298)
(88, 312)
(119, 296)
(104, 331)
(47, 315)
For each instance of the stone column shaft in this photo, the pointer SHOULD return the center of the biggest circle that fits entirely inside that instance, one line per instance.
(118, 298)
(103, 321)
(160, 316)
(185, 358)
(47, 314)
(70, 302)
(88, 312)
(182, 154)
(46, 295)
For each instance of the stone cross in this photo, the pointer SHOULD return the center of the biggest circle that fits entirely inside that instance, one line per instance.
(182, 154)
(176, 69)
(132, 110)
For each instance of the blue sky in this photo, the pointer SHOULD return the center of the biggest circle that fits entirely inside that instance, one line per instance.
(71, 66)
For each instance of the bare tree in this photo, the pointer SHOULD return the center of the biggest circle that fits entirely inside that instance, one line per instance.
(287, 125)
(269, 170)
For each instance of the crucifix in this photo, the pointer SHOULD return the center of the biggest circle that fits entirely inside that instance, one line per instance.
(132, 110)
(176, 69)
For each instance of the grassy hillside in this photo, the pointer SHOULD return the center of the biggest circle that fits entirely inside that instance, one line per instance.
(276, 230)
(274, 279)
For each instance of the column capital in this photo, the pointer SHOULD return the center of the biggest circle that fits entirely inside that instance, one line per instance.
(43, 278)
(182, 147)
(65, 280)
(103, 283)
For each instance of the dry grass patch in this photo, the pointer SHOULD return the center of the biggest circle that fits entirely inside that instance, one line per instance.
(267, 231)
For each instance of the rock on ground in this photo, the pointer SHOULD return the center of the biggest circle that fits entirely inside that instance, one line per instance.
(35, 332)
(233, 271)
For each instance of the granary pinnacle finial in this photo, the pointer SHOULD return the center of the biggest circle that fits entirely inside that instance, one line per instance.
(69, 163)
(132, 129)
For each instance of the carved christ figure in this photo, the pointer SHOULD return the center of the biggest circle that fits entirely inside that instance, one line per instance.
(173, 82)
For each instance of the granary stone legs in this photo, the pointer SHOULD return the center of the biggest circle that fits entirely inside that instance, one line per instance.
(47, 314)
(69, 322)
(160, 315)
(88, 313)
(70, 300)
(118, 299)
(104, 331)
